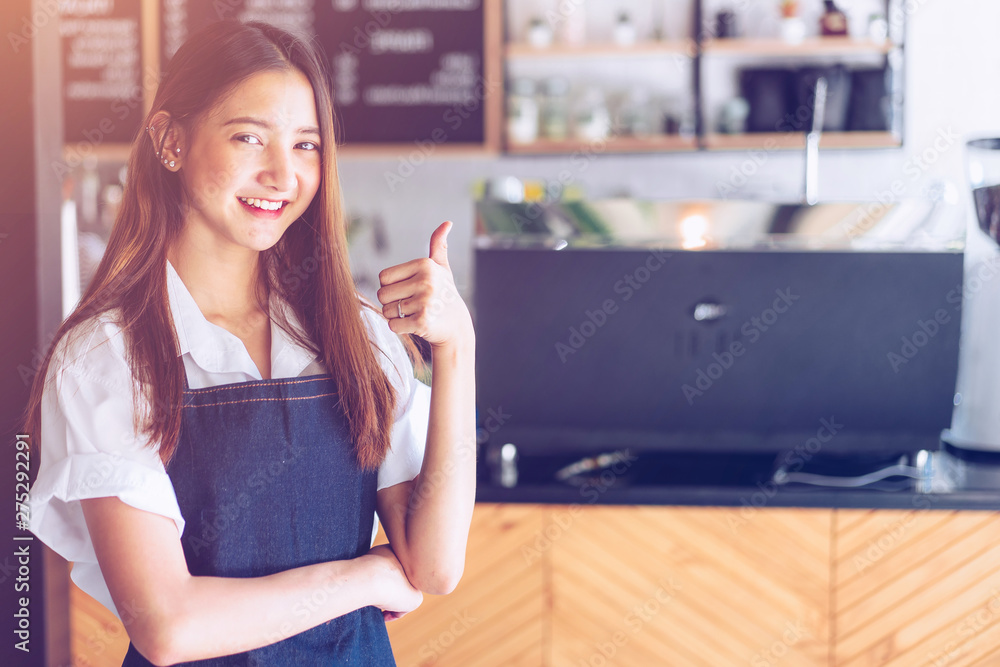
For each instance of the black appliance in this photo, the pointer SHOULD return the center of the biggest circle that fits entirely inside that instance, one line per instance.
(687, 326)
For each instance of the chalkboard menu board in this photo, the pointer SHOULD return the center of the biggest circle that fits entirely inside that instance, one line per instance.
(102, 55)
(180, 18)
(404, 70)
(407, 70)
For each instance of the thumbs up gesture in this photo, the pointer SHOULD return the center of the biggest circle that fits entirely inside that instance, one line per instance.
(419, 297)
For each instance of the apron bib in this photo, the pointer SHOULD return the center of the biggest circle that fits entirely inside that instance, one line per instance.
(267, 480)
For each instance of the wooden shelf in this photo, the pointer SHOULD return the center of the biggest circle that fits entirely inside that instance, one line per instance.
(73, 153)
(428, 150)
(791, 140)
(684, 47)
(817, 46)
(653, 144)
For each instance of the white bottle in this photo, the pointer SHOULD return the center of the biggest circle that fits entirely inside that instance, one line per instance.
(572, 22)
(522, 113)
(793, 30)
(539, 33)
(593, 122)
(624, 30)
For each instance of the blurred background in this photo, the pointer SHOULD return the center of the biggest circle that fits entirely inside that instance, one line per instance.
(568, 140)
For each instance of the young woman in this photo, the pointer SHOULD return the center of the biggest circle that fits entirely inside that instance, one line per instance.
(222, 415)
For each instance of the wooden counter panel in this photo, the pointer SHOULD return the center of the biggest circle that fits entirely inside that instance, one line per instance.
(916, 588)
(572, 586)
(690, 586)
(496, 613)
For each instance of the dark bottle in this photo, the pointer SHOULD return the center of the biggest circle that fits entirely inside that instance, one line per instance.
(988, 210)
(834, 21)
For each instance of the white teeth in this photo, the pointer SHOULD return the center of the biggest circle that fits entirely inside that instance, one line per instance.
(262, 203)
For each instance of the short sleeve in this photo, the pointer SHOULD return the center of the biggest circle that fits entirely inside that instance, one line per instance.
(409, 429)
(90, 449)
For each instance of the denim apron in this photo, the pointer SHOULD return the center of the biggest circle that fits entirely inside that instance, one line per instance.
(267, 479)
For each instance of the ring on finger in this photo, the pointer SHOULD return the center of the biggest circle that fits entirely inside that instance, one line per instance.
(399, 308)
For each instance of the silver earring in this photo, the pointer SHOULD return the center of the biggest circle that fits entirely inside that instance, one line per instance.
(177, 150)
(171, 164)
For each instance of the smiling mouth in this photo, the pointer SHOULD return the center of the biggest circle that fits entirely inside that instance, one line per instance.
(263, 204)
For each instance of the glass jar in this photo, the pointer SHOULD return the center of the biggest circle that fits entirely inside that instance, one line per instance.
(555, 109)
(624, 32)
(522, 112)
(635, 117)
(592, 122)
(539, 33)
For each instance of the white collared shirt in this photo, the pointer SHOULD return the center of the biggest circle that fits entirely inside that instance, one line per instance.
(90, 448)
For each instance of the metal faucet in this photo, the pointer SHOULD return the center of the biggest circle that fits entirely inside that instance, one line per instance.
(812, 144)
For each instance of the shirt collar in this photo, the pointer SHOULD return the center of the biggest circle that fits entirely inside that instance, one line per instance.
(216, 350)
(288, 358)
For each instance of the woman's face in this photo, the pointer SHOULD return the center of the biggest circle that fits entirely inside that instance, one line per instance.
(251, 166)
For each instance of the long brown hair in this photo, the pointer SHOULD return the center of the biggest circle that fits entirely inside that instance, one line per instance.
(308, 268)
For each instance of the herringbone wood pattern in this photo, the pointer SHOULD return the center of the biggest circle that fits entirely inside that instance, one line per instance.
(686, 587)
(713, 587)
(917, 588)
(495, 615)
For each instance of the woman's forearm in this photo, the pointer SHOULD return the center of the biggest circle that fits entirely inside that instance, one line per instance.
(427, 520)
(207, 617)
(440, 508)
(172, 616)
